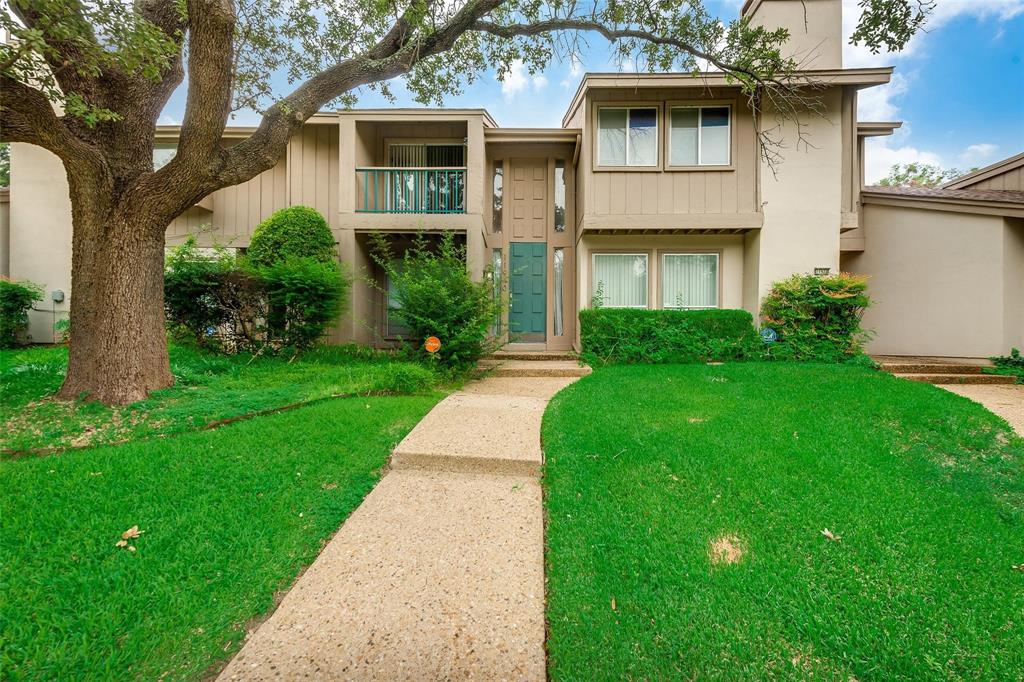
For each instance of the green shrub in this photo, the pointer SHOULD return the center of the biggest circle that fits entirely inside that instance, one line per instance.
(304, 297)
(194, 291)
(1012, 365)
(437, 297)
(293, 232)
(817, 318)
(628, 335)
(16, 299)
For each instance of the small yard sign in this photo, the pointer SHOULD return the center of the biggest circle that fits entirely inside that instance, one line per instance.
(769, 335)
(432, 344)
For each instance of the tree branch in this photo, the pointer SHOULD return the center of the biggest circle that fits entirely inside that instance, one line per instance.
(26, 115)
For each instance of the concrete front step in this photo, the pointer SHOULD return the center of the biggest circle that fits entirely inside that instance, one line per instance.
(942, 378)
(536, 356)
(931, 368)
(534, 368)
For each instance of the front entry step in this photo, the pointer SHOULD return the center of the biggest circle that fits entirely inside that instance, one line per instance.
(942, 370)
(945, 378)
(533, 368)
(540, 355)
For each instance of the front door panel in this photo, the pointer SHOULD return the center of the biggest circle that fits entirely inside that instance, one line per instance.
(528, 287)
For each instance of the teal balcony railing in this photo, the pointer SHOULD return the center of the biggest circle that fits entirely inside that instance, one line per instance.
(411, 190)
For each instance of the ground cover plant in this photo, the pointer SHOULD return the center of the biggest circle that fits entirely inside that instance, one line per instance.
(780, 520)
(208, 388)
(224, 518)
(1012, 365)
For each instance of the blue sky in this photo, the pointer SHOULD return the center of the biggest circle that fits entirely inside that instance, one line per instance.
(958, 88)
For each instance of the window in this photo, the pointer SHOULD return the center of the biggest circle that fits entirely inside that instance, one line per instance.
(699, 136)
(559, 196)
(498, 183)
(162, 153)
(496, 274)
(620, 280)
(558, 271)
(395, 326)
(689, 280)
(627, 137)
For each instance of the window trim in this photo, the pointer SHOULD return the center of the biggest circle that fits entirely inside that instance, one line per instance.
(593, 269)
(662, 253)
(700, 105)
(658, 135)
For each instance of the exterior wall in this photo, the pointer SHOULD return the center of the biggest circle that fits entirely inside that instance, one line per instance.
(5, 232)
(40, 233)
(1013, 284)
(661, 196)
(802, 198)
(815, 29)
(944, 283)
(731, 263)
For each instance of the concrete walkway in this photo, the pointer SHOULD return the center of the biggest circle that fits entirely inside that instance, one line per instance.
(1006, 401)
(439, 574)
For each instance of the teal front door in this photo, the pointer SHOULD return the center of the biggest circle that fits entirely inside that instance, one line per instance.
(529, 291)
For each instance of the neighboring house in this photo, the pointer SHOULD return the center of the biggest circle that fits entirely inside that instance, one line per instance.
(653, 194)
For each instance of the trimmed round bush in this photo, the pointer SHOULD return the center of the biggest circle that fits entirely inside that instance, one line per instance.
(293, 232)
(16, 299)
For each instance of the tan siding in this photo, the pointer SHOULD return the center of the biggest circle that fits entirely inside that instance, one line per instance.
(666, 192)
(1013, 180)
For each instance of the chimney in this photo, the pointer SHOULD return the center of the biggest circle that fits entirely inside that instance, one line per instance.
(815, 29)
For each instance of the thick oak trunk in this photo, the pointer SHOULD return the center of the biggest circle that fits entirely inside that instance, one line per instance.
(118, 348)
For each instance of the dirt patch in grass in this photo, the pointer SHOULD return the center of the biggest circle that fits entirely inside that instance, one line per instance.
(726, 550)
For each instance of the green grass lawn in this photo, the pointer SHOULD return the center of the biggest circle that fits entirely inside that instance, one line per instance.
(209, 388)
(686, 506)
(228, 516)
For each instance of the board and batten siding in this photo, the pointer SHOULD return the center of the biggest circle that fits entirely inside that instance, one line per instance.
(1012, 180)
(666, 191)
(306, 175)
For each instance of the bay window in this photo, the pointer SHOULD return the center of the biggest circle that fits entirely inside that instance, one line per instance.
(619, 280)
(699, 136)
(627, 136)
(689, 280)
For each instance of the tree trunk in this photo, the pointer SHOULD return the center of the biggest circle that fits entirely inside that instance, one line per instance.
(118, 348)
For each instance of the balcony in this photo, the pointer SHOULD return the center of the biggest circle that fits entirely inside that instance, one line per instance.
(411, 190)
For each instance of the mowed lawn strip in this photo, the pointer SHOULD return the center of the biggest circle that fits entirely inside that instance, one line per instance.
(685, 514)
(227, 516)
(208, 389)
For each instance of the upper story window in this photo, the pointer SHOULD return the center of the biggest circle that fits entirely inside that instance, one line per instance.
(627, 136)
(559, 196)
(162, 153)
(426, 155)
(699, 136)
(498, 193)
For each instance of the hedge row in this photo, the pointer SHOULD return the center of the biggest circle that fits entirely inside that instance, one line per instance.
(628, 335)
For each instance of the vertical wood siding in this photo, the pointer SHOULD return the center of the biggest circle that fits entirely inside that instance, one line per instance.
(658, 191)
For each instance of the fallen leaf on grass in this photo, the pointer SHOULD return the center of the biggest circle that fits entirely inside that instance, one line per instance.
(1018, 567)
(831, 536)
(329, 486)
(614, 608)
(132, 532)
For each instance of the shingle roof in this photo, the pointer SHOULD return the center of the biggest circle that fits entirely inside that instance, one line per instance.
(1006, 196)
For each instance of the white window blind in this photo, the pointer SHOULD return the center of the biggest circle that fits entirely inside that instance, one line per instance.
(689, 280)
(620, 280)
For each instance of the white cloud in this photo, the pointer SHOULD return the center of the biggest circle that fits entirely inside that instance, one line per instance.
(980, 154)
(519, 79)
(575, 71)
(880, 102)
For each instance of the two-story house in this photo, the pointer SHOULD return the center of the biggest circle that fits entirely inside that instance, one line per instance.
(654, 193)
